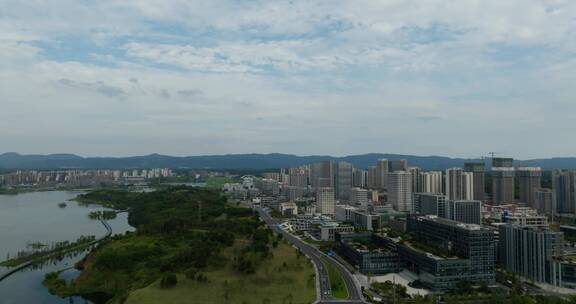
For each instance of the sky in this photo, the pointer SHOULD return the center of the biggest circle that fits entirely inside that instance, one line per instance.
(433, 77)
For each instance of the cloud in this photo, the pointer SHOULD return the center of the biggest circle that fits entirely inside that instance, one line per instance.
(97, 87)
(376, 75)
(189, 93)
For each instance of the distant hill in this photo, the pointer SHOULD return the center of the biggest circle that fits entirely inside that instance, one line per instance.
(242, 161)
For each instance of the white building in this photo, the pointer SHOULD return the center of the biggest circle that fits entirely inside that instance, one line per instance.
(430, 182)
(360, 197)
(343, 213)
(400, 190)
(459, 184)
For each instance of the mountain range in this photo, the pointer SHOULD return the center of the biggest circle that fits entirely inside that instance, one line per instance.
(11, 161)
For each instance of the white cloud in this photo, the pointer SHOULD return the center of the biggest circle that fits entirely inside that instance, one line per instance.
(107, 77)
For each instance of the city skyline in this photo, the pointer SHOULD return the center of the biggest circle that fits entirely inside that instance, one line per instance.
(310, 77)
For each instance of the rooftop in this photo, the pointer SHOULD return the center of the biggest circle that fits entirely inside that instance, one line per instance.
(435, 252)
(434, 218)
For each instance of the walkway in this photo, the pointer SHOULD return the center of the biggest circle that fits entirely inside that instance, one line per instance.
(25, 265)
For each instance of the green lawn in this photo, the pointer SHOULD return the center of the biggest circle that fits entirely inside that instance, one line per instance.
(337, 285)
(285, 278)
(217, 182)
(317, 243)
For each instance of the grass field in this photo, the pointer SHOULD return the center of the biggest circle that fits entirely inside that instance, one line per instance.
(284, 278)
(217, 182)
(316, 242)
(337, 285)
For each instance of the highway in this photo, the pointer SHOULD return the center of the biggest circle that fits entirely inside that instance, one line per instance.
(354, 292)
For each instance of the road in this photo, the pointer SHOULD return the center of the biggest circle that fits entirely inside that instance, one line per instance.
(354, 292)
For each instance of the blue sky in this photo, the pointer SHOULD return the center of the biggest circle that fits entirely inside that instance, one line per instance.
(456, 78)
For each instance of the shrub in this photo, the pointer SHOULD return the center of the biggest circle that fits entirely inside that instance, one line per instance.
(168, 280)
(191, 273)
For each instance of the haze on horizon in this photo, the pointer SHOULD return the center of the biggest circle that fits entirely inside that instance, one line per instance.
(459, 78)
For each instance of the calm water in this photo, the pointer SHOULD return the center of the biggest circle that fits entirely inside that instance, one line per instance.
(36, 217)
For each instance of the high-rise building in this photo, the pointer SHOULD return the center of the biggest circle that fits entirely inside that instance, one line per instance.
(400, 190)
(529, 251)
(360, 197)
(325, 201)
(477, 170)
(298, 179)
(359, 178)
(545, 201)
(430, 182)
(564, 185)
(430, 204)
(468, 186)
(293, 193)
(269, 187)
(502, 185)
(343, 181)
(502, 162)
(529, 180)
(459, 184)
(372, 180)
(397, 165)
(322, 174)
(465, 211)
(381, 174)
(415, 171)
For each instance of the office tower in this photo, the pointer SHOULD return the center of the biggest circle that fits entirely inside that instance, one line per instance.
(358, 178)
(415, 171)
(465, 211)
(269, 187)
(323, 182)
(322, 174)
(343, 181)
(430, 204)
(360, 197)
(477, 169)
(545, 201)
(325, 200)
(564, 185)
(502, 162)
(381, 174)
(298, 179)
(529, 180)
(529, 251)
(472, 245)
(400, 190)
(430, 182)
(372, 180)
(397, 165)
(293, 193)
(459, 184)
(502, 185)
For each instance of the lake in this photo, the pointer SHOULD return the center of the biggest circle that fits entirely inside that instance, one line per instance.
(37, 217)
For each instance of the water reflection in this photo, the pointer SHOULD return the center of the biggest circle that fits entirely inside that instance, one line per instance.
(37, 217)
